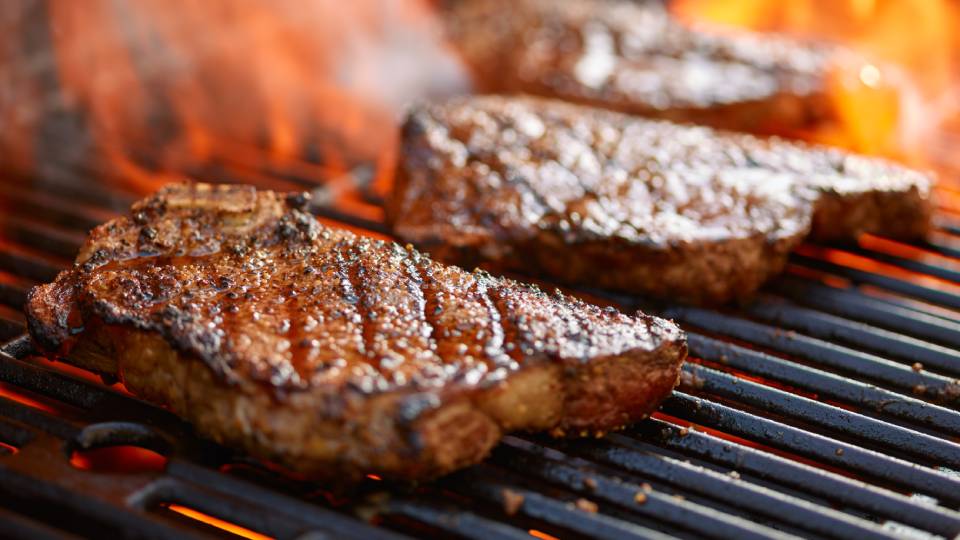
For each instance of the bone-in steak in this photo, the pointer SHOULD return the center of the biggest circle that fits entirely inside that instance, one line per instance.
(595, 197)
(329, 352)
(636, 57)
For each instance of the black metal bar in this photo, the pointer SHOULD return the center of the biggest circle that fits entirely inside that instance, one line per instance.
(579, 475)
(830, 327)
(53, 210)
(819, 482)
(857, 306)
(85, 182)
(821, 352)
(28, 266)
(25, 414)
(270, 501)
(818, 447)
(14, 435)
(17, 527)
(39, 236)
(18, 347)
(628, 454)
(125, 522)
(13, 290)
(943, 249)
(825, 383)
(451, 519)
(920, 267)
(552, 510)
(50, 383)
(11, 323)
(951, 228)
(814, 413)
(935, 296)
(273, 523)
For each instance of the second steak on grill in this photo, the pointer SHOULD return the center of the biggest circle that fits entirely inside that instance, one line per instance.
(594, 197)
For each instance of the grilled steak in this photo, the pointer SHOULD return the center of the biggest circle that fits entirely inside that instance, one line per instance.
(332, 353)
(637, 58)
(595, 197)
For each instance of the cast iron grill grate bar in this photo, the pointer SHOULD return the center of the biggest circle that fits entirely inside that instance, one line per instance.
(859, 335)
(774, 455)
(850, 361)
(826, 417)
(827, 485)
(903, 474)
(935, 296)
(919, 267)
(851, 305)
(865, 397)
(590, 480)
(712, 504)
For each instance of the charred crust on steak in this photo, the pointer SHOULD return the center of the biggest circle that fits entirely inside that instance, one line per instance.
(323, 350)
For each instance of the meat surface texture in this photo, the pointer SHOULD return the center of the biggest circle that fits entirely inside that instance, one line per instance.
(333, 354)
(637, 58)
(599, 198)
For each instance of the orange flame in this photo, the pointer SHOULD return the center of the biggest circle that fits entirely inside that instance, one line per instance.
(898, 111)
(161, 91)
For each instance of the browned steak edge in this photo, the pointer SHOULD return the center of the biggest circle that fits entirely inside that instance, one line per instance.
(706, 274)
(400, 435)
(903, 215)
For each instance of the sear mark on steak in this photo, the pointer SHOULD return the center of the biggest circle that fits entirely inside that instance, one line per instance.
(335, 354)
(599, 198)
(637, 58)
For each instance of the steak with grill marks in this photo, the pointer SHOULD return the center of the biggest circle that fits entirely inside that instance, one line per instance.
(638, 58)
(331, 353)
(595, 197)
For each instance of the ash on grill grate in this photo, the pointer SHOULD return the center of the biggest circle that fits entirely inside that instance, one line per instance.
(828, 408)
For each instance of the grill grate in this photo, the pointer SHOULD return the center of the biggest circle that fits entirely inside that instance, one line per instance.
(828, 408)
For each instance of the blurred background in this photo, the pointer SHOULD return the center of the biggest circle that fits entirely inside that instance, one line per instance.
(136, 93)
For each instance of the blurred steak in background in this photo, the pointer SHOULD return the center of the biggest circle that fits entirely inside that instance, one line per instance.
(637, 58)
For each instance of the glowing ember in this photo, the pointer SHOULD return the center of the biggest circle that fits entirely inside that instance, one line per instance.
(118, 459)
(13, 393)
(218, 523)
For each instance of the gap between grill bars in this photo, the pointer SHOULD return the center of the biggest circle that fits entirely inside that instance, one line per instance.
(828, 408)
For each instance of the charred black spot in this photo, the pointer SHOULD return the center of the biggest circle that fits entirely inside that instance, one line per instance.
(98, 258)
(298, 201)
